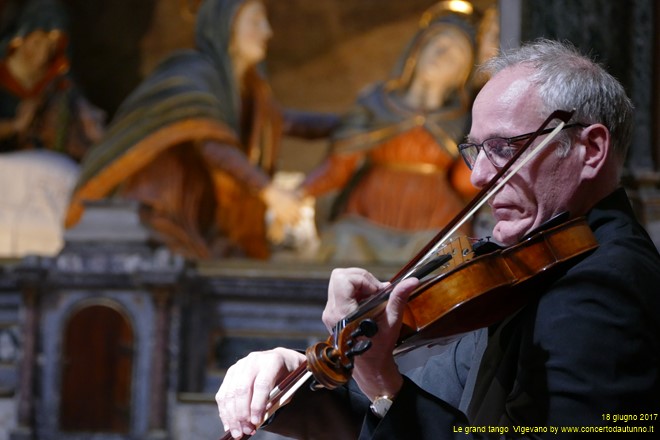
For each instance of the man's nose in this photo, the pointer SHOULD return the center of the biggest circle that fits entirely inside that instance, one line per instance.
(482, 170)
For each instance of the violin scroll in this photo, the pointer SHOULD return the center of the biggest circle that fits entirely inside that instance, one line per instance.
(332, 366)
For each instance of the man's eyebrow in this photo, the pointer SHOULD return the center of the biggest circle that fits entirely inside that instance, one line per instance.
(470, 140)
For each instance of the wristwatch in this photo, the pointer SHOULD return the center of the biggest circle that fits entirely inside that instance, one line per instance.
(381, 405)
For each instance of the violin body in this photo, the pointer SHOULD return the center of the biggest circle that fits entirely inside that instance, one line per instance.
(485, 289)
(467, 292)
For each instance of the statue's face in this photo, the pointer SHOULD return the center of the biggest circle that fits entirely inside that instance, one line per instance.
(251, 33)
(446, 57)
(38, 47)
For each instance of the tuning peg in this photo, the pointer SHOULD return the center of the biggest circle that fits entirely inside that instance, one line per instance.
(367, 327)
(359, 348)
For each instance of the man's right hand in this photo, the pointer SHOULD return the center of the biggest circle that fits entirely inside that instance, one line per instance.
(243, 396)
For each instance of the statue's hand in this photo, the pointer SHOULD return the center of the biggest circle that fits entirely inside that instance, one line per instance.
(25, 114)
(284, 205)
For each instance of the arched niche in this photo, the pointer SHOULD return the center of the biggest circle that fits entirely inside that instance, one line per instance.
(97, 365)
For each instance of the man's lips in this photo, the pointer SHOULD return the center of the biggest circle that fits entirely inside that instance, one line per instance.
(503, 211)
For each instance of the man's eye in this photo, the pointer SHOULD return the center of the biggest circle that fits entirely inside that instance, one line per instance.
(507, 151)
(501, 148)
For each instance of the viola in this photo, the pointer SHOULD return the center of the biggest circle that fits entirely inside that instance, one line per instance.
(462, 288)
(468, 292)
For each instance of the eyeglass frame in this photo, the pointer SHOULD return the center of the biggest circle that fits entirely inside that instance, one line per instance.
(509, 141)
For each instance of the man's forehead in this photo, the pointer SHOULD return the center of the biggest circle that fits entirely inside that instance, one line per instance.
(507, 91)
(506, 105)
(514, 92)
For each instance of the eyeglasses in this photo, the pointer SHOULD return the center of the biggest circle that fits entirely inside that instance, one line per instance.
(500, 150)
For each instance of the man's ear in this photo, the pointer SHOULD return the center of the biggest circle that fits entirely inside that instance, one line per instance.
(596, 142)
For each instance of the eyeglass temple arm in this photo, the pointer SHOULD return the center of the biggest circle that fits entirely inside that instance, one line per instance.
(484, 194)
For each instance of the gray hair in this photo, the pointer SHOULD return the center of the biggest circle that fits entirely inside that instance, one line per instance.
(568, 80)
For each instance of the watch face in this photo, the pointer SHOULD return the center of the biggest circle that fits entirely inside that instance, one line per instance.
(380, 406)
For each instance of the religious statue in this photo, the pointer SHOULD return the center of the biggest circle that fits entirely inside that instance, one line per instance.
(197, 142)
(40, 106)
(46, 126)
(394, 159)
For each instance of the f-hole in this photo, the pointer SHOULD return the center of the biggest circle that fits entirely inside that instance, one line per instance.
(96, 371)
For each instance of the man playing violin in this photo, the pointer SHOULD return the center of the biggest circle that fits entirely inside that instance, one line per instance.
(584, 352)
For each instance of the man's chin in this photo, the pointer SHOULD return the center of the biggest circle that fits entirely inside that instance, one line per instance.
(508, 232)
